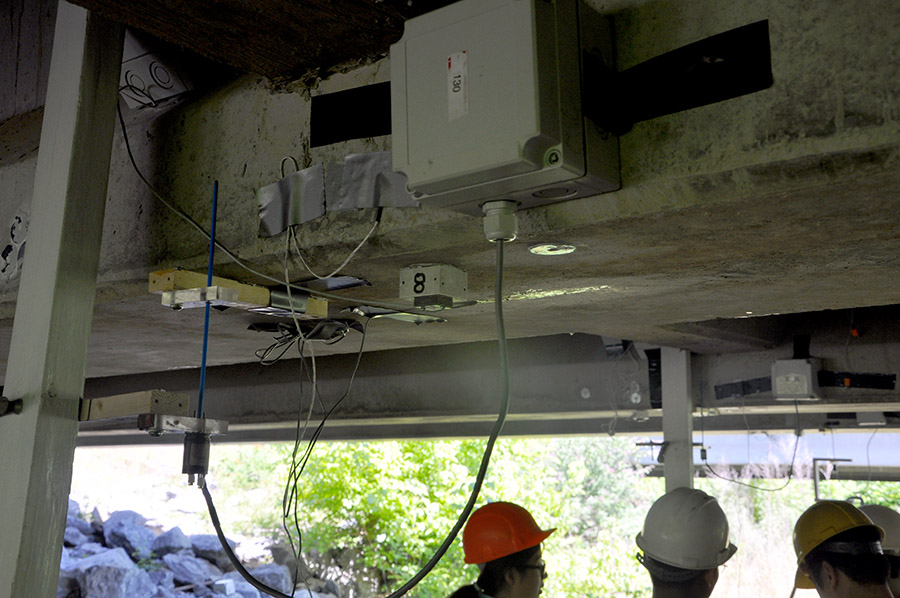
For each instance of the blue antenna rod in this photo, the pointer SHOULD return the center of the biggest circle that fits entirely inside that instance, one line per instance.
(209, 277)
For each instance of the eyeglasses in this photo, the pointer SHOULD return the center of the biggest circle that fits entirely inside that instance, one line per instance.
(542, 567)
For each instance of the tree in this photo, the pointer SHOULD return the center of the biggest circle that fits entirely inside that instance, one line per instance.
(387, 506)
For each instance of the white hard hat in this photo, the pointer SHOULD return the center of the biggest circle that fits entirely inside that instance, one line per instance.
(889, 520)
(686, 528)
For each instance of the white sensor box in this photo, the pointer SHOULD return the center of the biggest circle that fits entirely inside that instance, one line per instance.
(796, 379)
(486, 104)
(433, 284)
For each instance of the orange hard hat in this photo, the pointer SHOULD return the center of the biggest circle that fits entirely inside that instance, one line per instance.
(500, 529)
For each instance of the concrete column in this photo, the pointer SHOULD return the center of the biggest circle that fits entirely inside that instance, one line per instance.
(55, 300)
(678, 426)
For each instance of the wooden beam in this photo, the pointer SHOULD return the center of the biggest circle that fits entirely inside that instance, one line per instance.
(134, 403)
(179, 280)
(249, 296)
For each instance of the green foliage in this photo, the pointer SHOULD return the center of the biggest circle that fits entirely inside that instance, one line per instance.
(249, 479)
(147, 563)
(389, 505)
(877, 493)
(393, 503)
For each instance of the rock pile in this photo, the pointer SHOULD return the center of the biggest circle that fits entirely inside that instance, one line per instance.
(122, 558)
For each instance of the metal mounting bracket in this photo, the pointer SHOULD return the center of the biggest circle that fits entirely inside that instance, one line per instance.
(8, 406)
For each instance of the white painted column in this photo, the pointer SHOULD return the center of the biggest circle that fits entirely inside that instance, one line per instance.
(678, 425)
(55, 300)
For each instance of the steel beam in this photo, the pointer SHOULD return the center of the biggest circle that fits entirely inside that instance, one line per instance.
(677, 418)
(564, 378)
(561, 385)
(547, 426)
(875, 474)
(55, 300)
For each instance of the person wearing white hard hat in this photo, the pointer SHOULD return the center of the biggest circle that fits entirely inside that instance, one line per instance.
(683, 543)
(889, 521)
(839, 552)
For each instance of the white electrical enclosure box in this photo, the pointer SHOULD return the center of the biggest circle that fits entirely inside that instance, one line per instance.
(796, 379)
(486, 104)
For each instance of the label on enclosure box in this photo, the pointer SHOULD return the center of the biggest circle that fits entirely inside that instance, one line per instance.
(457, 85)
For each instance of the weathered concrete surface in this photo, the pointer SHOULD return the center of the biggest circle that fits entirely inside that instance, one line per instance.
(26, 39)
(20, 136)
(783, 201)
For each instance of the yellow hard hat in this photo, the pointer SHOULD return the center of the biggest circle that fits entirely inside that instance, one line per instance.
(824, 520)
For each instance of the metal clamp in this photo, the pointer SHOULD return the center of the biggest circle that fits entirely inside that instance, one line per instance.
(661, 457)
(8, 406)
(157, 424)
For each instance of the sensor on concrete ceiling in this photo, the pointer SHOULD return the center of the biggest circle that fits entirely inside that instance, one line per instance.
(486, 104)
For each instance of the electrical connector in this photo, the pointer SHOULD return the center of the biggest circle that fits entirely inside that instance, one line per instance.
(196, 456)
(500, 222)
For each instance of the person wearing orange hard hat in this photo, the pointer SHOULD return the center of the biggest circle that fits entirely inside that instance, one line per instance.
(503, 539)
(839, 552)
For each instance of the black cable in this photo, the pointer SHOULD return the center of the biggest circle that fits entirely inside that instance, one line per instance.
(790, 476)
(318, 431)
(230, 553)
(485, 460)
(149, 103)
(288, 336)
(290, 491)
(290, 488)
(214, 517)
(479, 478)
(498, 425)
(264, 355)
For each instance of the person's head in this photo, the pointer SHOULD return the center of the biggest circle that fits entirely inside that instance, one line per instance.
(684, 540)
(838, 549)
(505, 542)
(889, 521)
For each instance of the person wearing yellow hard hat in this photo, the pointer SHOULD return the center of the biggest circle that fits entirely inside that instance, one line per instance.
(503, 539)
(889, 522)
(839, 552)
(683, 543)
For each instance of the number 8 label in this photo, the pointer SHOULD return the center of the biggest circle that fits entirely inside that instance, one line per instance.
(419, 283)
